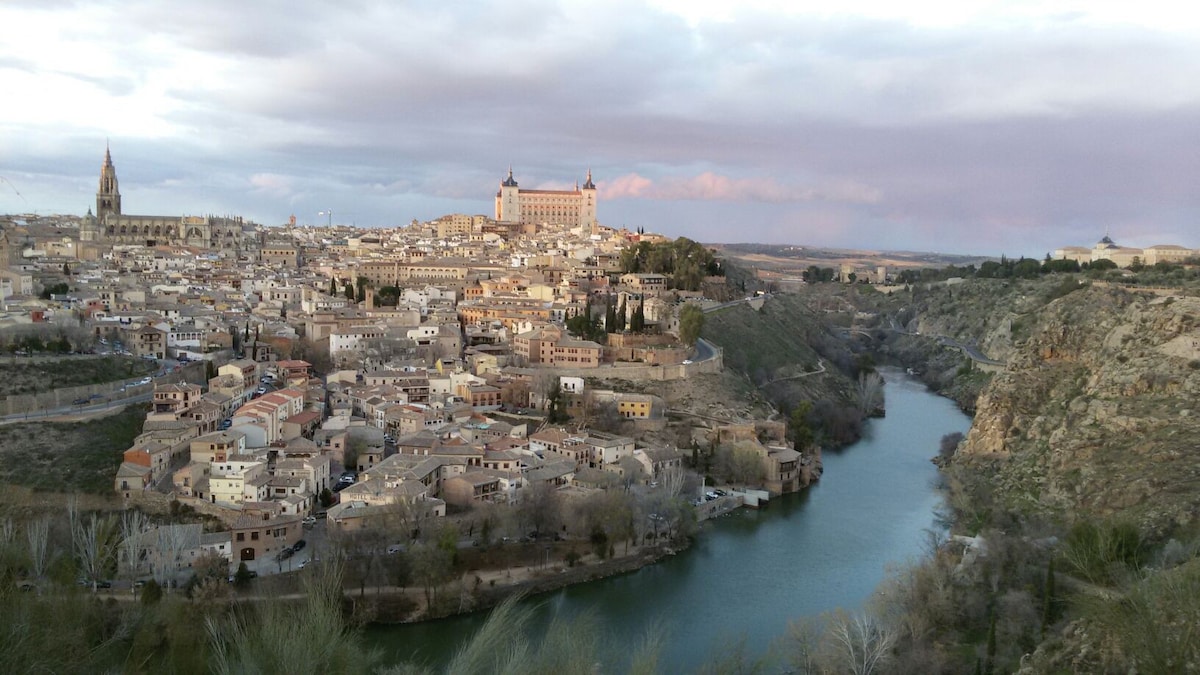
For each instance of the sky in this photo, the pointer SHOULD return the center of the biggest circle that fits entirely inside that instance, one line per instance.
(971, 127)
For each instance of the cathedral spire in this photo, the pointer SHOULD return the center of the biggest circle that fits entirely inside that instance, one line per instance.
(108, 195)
(588, 184)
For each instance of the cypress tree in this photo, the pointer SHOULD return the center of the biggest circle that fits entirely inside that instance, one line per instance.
(1048, 601)
(989, 666)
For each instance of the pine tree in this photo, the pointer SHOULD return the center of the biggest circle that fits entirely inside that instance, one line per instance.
(621, 314)
(333, 286)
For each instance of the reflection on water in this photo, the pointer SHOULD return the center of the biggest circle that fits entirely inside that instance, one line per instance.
(749, 573)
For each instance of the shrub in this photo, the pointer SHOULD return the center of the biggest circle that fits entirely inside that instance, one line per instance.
(1105, 553)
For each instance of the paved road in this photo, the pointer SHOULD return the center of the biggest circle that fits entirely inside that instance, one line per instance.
(970, 350)
(704, 350)
(79, 411)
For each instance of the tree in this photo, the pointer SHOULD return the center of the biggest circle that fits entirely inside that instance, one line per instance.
(863, 644)
(37, 533)
(869, 393)
(348, 290)
(691, 322)
(432, 566)
(798, 427)
(95, 545)
(241, 578)
(66, 269)
(332, 286)
(540, 508)
(740, 464)
(622, 313)
(556, 405)
(134, 525)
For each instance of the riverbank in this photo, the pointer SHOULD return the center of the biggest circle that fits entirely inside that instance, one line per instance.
(750, 573)
(483, 589)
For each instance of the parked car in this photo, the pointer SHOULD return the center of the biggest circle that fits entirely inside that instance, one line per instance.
(298, 545)
(81, 401)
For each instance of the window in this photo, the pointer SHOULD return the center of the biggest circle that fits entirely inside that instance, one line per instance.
(254, 536)
(241, 536)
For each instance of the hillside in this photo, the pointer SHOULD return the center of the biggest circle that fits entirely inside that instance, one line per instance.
(791, 353)
(1096, 412)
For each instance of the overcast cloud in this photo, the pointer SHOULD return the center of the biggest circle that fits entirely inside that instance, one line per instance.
(982, 128)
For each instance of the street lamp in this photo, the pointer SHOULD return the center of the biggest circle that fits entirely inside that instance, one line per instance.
(329, 214)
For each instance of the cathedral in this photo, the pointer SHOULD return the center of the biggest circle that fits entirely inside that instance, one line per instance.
(109, 226)
(573, 208)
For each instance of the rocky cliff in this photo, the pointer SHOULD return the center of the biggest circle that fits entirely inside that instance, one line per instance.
(1096, 413)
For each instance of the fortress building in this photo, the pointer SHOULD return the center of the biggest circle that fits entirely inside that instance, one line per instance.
(109, 226)
(573, 208)
(1124, 256)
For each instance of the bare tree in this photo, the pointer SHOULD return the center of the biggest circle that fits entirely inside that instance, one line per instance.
(540, 508)
(38, 535)
(170, 542)
(8, 531)
(862, 643)
(134, 524)
(869, 390)
(94, 546)
(671, 480)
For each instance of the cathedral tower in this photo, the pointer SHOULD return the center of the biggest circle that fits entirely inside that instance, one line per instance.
(108, 197)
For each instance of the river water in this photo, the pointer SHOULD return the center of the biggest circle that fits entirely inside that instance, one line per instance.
(750, 572)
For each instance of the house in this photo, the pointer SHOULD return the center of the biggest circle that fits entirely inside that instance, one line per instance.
(176, 398)
(152, 455)
(354, 515)
(263, 531)
(150, 341)
(132, 478)
(218, 446)
(470, 488)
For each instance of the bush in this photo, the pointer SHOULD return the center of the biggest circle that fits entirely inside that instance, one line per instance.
(1105, 553)
(151, 593)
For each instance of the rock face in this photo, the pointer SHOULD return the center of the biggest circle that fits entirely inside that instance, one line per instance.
(1097, 413)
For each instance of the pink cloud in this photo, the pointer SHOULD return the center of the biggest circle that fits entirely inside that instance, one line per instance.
(710, 186)
(273, 184)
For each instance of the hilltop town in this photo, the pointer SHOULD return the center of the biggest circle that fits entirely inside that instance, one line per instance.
(325, 383)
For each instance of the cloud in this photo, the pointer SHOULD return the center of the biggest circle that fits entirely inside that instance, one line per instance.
(272, 184)
(994, 123)
(709, 186)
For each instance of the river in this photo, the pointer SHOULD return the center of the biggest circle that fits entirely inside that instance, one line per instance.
(751, 572)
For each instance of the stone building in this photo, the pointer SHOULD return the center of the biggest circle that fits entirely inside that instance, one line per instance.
(573, 208)
(109, 225)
